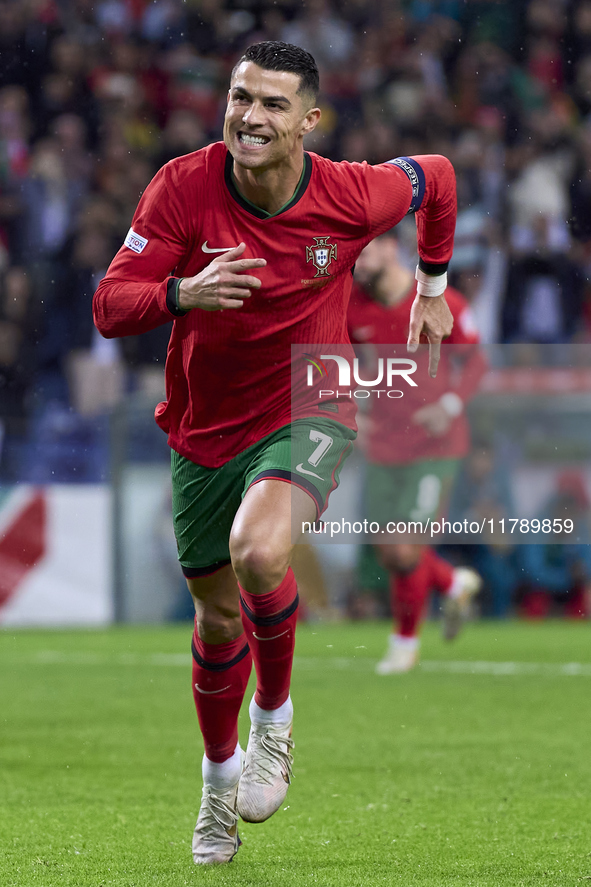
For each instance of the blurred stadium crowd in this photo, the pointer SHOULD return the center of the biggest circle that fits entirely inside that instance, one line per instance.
(95, 95)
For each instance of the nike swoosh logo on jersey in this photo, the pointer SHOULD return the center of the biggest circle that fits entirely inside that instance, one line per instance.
(302, 470)
(275, 636)
(211, 692)
(217, 249)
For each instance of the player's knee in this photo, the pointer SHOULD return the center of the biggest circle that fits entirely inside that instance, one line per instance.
(259, 564)
(400, 558)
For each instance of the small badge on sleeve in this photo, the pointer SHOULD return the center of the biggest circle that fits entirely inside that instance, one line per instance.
(135, 241)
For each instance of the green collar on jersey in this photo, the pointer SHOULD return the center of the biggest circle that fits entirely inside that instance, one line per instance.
(251, 207)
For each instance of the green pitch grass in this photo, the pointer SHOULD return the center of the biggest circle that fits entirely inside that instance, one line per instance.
(475, 769)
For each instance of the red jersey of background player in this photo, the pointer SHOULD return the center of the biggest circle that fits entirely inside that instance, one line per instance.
(228, 373)
(393, 437)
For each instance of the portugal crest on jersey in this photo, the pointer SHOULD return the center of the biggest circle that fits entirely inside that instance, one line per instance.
(322, 254)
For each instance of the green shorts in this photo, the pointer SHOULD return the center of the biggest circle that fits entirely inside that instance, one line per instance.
(308, 453)
(414, 492)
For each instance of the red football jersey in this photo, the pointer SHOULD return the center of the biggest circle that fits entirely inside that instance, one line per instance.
(393, 437)
(228, 374)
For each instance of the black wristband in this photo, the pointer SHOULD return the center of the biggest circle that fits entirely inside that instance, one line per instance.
(172, 289)
(433, 267)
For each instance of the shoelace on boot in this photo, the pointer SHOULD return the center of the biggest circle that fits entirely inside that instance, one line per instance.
(271, 746)
(217, 812)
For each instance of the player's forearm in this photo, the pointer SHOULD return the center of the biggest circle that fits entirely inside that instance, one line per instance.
(128, 308)
(436, 219)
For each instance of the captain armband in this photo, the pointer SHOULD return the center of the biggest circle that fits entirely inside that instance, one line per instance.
(416, 177)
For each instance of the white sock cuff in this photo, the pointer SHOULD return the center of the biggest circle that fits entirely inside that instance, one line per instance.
(457, 586)
(281, 715)
(405, 642)
(222, 775)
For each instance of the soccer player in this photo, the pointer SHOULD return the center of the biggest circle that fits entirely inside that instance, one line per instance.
(414, 448)
(249, 245)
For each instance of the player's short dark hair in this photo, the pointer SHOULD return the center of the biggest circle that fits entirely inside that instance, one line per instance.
(274, 55)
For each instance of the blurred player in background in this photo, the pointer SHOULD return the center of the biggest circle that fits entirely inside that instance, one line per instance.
(414, 446)
(248, 244)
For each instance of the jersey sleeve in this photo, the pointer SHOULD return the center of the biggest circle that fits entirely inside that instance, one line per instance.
(436, 214)
(424, 185)
(135, 294)
(389, 197)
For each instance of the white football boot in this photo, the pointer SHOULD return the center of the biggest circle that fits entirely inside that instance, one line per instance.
(457, 603)
(402, 655)
(215, 839)
(267, 768)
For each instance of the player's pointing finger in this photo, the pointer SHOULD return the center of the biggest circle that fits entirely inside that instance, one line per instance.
(434, 356)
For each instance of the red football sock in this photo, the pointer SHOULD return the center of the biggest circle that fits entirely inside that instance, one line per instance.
(441, 572)
(220, 676)
(408, 595)
(269, 621)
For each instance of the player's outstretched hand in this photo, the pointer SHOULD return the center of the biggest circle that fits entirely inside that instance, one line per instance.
(434, 418)
(429, 316)
(223, 284)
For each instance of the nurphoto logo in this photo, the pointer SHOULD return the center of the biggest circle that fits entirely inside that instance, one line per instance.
(389, 371)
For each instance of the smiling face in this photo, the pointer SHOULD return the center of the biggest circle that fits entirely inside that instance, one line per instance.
(266, 119)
